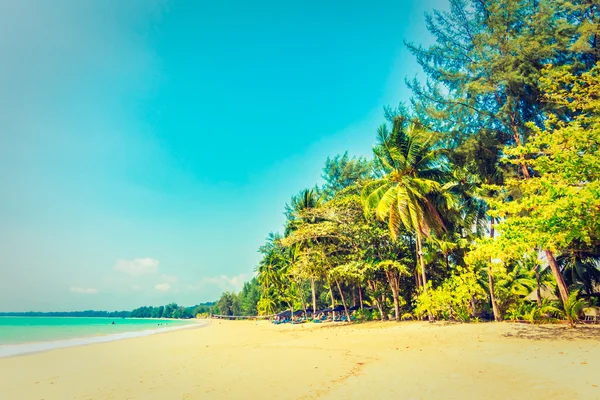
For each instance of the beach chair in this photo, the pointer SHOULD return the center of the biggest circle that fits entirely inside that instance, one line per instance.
(591, 314)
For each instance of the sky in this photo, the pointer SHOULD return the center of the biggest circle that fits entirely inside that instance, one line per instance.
(147, 148)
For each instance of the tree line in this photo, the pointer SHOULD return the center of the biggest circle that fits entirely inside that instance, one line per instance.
(171, 310)
(482, 197)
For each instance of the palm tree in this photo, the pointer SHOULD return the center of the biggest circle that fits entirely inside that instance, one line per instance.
(272, 271)
(414, 173)
(580, 269)
(513, 284)
(305, 200)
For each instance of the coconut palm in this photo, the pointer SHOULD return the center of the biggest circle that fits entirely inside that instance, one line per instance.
(573, 307)
(306, 200)
(581, 269)
(272, 273)
(415, 173)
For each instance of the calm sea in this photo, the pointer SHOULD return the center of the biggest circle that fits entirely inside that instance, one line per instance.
(20, 335)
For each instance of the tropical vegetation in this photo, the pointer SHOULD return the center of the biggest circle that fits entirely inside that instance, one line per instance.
(482, 198)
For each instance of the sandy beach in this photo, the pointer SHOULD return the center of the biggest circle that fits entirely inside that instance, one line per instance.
(253, 360)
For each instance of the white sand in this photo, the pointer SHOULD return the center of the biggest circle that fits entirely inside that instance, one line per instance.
(250, 360)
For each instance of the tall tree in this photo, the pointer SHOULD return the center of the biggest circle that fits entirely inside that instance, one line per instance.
(343, 171)
(559, 207)
(415, 171)
(306, 200)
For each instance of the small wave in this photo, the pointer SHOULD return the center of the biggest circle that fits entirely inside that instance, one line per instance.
(12, 350)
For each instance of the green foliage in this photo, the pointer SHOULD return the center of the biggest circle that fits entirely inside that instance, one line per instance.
(342, 171)
(366, 315)
(415, 172)
(248, 298)
(548, 312)
(574, 306)
(513, 284)
(228, 304)
(560, 206)
(172, 310)
(494, 161)
(454, 299)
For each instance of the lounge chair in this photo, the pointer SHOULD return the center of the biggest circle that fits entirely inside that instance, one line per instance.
(591, 314)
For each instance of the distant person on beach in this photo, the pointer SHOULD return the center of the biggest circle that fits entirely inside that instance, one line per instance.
(113, 323)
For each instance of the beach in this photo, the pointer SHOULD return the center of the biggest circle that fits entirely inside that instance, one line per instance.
(253, 360)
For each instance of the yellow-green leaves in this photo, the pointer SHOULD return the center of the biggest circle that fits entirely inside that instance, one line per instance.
(560, 204)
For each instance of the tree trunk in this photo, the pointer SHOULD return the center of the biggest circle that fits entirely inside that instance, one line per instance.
(422, 262)
(291, 310)
(562, 287)
(491, 279)
(538, 291)
(518, 142)
(377, 303)
(473, 306)
(497, 317)
(417, 278)
(394, 287)
(314, 295)
(302, 298)
(381, 309)
(360, 298)
(343, 300)
(331, 294)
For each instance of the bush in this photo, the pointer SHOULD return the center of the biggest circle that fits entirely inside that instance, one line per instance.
(453, 299)
(531, 312)
(366, 315)
(574, 307)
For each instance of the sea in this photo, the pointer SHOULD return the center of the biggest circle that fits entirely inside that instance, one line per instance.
(23, 335)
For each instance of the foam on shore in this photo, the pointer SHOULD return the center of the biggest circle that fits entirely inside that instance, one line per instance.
(11, 350)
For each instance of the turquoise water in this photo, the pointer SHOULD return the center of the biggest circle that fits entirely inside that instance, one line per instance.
(15, 330)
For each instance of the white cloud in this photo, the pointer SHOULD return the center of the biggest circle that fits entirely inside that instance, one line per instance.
(137, 267)
(225, 282)
(81, 290)
(162, 287)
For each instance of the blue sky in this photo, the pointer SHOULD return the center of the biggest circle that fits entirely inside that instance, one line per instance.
(147, 148)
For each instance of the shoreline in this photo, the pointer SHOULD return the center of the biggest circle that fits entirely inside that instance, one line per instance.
(27, 348)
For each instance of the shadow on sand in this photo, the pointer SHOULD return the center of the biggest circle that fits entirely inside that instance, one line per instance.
(554, 332)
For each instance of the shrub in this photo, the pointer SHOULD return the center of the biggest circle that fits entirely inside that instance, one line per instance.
(364, 315)
(574, 307)
(453, 299)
